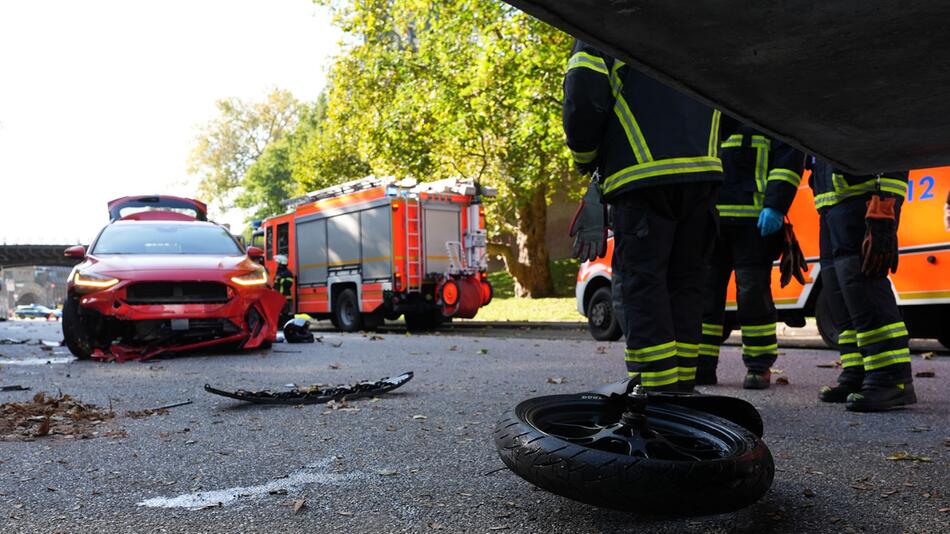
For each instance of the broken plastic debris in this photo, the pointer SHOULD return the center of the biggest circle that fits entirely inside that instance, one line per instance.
(316, 394)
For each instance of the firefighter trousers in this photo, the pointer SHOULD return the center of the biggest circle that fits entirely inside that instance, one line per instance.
(741, 248)
(872, 336)
(663, 236)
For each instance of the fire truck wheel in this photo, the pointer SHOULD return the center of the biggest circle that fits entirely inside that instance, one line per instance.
(824, 321)
(423, 321)
(346, 311)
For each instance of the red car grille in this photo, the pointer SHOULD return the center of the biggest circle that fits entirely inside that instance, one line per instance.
(177, 293)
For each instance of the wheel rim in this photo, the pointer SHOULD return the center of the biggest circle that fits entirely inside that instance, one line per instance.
(674, 434)
(348, 313)
(600, 314)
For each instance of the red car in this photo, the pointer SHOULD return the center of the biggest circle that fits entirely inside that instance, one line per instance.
(160, 278)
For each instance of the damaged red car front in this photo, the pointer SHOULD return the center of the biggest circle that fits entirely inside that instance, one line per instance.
(160, 278)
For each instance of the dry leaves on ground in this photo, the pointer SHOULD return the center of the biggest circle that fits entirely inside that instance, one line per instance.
(904, 456)
(148, 412)
(556, 380)
(50, 416)
(782, 380)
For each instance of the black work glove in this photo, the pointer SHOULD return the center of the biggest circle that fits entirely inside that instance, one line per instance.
(879, 249)
(589, 226)
(792, 264)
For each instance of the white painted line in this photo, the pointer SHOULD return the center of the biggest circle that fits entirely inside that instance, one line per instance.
(224, 497)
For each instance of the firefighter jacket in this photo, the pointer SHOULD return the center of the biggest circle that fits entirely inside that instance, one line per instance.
(759, 172)
(637, 131)
(284, 281)
(832, 186)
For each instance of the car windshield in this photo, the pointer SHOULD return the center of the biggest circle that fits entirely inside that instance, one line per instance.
(166, 238)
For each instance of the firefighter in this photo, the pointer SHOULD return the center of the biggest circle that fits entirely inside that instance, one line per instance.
(858, 218)
(656, 151)
(761, 178)
(284, 284)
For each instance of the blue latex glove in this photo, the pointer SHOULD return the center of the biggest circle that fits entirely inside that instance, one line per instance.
(770, 221)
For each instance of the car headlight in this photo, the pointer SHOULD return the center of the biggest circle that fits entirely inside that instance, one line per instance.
(254, 278)
(93, 281)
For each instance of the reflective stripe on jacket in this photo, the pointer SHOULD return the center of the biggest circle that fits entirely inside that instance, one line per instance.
(639, 132)
(759, 172)
(832, 186)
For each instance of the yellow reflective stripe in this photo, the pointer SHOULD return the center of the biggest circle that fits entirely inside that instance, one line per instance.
(848, 336)
(659, 378)
(843, 191)
(851, 359)
(712, 329)
(584, 157)
(661, 167)
(883, 333)
(738, 210)
(714, 134)
(587, 61)
(706, 349)
(651, 354)
(736, 141)
(687, 350)
(884, 359)
(758, 350)
(759, 330)
(629, 123)
(687, 373)
(761, 172)
(785, 175)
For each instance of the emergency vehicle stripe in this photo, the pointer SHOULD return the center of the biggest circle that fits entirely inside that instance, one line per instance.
(785, 175)
(881, 334)
(651, 354)
(587, 61)
(714, 134)
(883, 359)
(738, 210)
(759, 350)
(661, 167)
(687, 350)
(759, 330)
(848, 336)
(851, 359)
(584, 157)
(634, 136)
(705, 349)
(712, 329)
(659, 378)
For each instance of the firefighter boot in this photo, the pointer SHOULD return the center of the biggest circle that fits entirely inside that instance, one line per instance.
(757, 380)
(881, 398)
(706, 376)
(849, 381)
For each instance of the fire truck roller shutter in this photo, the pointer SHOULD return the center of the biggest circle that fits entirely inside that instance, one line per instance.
(343, 238)
(312, 252)
(376, 237)
(441, 223)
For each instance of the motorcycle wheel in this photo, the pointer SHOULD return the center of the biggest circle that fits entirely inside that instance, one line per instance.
(690, 462)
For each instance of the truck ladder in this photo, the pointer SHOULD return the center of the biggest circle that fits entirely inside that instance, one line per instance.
(413, 245)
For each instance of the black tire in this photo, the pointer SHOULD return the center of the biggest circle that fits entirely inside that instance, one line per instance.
(944, 340)
(737, 475)
(601, 320)
(423, 321)
(346, 311)
(825, 321)
(74, 331)
(372, 321)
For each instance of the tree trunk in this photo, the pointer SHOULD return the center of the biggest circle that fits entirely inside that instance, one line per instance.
(528, 261)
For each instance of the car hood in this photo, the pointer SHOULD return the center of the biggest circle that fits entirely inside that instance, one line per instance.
(170, 262)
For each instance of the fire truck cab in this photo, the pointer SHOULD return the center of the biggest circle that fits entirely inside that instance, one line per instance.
(377, 248)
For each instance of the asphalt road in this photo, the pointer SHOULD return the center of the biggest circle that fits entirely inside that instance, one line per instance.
(421, 458)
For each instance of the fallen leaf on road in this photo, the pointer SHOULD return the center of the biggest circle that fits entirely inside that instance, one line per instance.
(454, 348)
(903, 456)
(826, 365)
(435, 526)
(419, 417)
(556, 380)
(387, 473)
(483, 351)
(347, 514)
(334, 365)
(925, 374)
(601, 349)
(499, 527)
(944, 510)
(298, 505)
(927, 355)
(336, 345)
(808, 493)
(782, 380)
(375, 337)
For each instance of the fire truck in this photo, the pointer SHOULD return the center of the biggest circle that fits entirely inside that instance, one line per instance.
(921, 283)
(377, 248)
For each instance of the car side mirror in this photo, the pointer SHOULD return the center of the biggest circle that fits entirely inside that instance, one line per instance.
(255, 253)
(77, 252)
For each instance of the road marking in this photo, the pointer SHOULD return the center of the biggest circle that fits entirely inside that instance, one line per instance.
(224, 497)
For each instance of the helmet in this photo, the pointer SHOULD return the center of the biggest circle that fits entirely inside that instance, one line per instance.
(298, 331)
(280, 259)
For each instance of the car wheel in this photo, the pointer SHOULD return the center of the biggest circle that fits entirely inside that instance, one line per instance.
(74, 333)
(826, 325)
(346, 311)
(600, 316)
